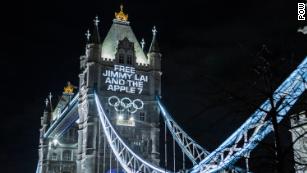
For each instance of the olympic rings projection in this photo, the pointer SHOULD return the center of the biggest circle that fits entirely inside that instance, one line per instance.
(125, 104)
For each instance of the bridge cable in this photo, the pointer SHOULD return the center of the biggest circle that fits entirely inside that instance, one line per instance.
(174, 154)
(104, 153)
(99, 147)
(183, 161)
(165, 146)
(117, 169)
(110, 160)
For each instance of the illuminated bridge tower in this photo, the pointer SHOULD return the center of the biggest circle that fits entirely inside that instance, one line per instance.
(127, 80)
(57, 152)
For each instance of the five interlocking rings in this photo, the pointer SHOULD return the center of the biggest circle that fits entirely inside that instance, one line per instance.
(126, 104)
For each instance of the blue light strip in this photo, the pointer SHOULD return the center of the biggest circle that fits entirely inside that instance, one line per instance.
(68, 124)
(37, 168)
(167, 117)
(289, 90)
(70, 105)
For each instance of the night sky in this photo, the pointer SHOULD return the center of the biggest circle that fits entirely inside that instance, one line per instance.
(208, 47)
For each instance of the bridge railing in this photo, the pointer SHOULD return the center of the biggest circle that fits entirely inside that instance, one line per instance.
(192, 149)
(258, 125)
(195, 152)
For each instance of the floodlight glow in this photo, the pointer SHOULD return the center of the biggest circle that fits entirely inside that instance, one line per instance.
(120, 117)
(55, 141)
(131, 119)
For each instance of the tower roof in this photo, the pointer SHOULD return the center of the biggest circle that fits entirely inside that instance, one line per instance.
(119, 30)
(154, 47)
(96, 36)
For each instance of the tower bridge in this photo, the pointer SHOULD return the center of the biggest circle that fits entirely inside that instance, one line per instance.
(112, 123)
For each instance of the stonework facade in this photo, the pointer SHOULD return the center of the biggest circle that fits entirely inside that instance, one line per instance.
(57, 154)
(127, 81)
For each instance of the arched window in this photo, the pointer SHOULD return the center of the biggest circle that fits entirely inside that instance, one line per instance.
(129, 59)
(54, 156)
(121, 59)
(66, 155)
(142, 116)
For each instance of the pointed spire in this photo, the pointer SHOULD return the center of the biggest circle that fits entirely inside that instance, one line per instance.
(46, 102)
(46, 106)
(96, 35)
(50, 96)
(154, 44)
(44, 118)
(154, 31)
(143, 43)
(88, 35)
(96, 21)
(50, 101)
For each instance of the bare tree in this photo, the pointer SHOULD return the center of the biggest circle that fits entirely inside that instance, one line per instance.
(268, 69)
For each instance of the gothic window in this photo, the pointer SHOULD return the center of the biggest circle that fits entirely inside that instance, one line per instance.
(66, 155)
(129, 59)
(54, 156)
(84, 82)
(90, 137)
(121, 59)
(142, 116)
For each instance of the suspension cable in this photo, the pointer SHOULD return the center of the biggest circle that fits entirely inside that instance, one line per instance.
(110, 159)
(117, 170)
(165, 146)
(174, 154)
(99, 148)
(183, 161)
(104, 153)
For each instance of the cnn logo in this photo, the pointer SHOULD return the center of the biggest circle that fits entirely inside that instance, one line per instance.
(301, 11)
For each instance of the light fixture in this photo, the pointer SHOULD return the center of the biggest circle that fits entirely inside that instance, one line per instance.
(131, 118)
(55, 141)
(120, 117)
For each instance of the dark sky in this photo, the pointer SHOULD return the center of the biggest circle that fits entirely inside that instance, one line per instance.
(206, 45)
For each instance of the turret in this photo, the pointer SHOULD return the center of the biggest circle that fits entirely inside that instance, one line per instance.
(154, 48)
(43, 143)
(96, 36)
(92, 50)
(44, 118)
(154, 54)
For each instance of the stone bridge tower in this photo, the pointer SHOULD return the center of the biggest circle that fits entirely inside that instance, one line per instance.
(127, 81)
